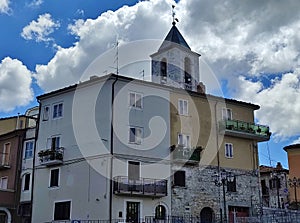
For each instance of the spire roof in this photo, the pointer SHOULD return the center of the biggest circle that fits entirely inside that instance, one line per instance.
(174, 36)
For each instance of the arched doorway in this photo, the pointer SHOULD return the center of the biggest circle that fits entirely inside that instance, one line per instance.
(160, 212)
(5, 216)
(207, 215)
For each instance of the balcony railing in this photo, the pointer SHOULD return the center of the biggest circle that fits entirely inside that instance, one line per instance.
(4, 160)
(186, 155)
(140, 187)
(245, 130)
(51, 157)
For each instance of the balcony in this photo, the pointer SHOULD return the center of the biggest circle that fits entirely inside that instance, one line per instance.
(144, 187)
(4, 161)
(188, 86)
(186, 155)
(51, 157)
(245, 130)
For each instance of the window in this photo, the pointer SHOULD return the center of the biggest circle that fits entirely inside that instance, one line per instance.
(231, 185)
(54, 178)
(135, 100)
(53, 142)
(228, 150)
(182, 107)
(135, 135)
(133, 170)
(274, 183)
(160, 212)
(46, 111)
(184, 140)
(187, 71)
(29, 149)
(26, 182)
(179, 178)
(5, 154)
(62, 210)
(3, 182)
(58, 110)
(163, 68)
(226, 114)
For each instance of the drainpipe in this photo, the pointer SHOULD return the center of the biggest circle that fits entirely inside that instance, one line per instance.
(111, 148)
(34, 157)
(218, 159)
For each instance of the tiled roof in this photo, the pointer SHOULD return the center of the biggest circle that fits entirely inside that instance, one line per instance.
(174, 36)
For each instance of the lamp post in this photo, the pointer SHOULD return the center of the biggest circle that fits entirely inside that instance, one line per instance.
(295, 182)
(275, 177)
(221, 179)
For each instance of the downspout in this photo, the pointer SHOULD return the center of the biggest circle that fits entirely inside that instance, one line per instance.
(218, 158)
(20, 134)
(111, 148)
(34, 157)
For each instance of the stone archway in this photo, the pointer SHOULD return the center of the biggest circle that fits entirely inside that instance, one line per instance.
(6, 215)
(207, 215)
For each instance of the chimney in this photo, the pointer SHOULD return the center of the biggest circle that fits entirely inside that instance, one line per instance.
(201, 88)
(279, 166)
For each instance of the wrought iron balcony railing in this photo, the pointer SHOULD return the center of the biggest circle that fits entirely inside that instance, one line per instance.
(140, 187)
(245, 130)
(186, 155)
(51, 157)
(4, 160)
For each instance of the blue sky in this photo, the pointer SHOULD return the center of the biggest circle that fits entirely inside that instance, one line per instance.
(249, 48)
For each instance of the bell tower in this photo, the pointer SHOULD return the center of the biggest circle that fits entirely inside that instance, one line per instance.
(175, 64)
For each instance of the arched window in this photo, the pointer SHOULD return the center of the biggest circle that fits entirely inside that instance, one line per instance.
(160, 212)
(163, 67)
(26, 182)
(187, 71)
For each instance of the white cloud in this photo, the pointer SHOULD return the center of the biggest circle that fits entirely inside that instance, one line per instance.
(95, 36)
(15, 85)
(280, 102)
(41, 29)
(35, 3)
(240, 40)
(4, 6)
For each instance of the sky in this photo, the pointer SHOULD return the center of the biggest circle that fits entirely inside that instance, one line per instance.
(250, 48)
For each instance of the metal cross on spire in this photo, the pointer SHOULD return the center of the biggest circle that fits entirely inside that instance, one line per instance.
(173, 15)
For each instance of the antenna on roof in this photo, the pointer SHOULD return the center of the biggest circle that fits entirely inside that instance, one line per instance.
(173, 15)
(117, 54)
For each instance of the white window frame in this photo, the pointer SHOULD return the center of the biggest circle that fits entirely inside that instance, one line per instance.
(140, 167)
(25, 149)
(58, 181)
(184, 140)
(2, 184)
(24, 180)
(226, 113)
(183, 107)
(5, 152)
(229, 150)
(137, 139)
(58, 114)
(133, 104)
(46, 112)
(49, 142)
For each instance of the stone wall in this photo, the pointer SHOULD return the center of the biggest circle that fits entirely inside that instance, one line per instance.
(200, 191)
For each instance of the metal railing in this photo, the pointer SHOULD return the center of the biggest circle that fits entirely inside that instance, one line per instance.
(247, 127)
(186, 154)
(141, 186)
(51, 155)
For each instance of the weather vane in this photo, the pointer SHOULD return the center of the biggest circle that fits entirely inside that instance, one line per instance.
(173, 15)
